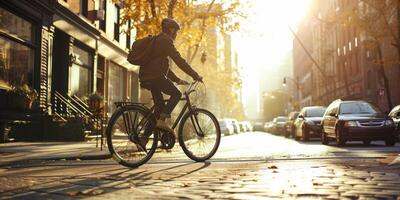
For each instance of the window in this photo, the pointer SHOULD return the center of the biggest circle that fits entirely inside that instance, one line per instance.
(349, 46)
(115, 86)
(128, 35)
(358, 108)
(17, 49)
(80, 73)
(103, 6)
(116, 22)
(356, 42)
(83, 5)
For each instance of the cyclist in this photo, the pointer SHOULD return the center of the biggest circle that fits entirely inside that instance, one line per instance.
(157, 76)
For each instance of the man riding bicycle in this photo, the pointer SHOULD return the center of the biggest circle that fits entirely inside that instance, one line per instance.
(157, 76)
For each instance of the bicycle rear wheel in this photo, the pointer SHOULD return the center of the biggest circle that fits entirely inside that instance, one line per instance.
(199, 134)
(126, 129)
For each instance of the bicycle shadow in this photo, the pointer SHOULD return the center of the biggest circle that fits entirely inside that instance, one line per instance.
(107, 181)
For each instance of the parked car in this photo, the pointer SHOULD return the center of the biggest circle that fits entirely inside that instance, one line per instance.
(308, 123)
(248, 125)
(243, 127)
(235, 124)
(280, 125)
(290, 123)
(226, 127)
(258, 126)
(395, 115)
(268, 127)
(356, 121)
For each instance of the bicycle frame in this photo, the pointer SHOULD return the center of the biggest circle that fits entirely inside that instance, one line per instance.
(187, 107)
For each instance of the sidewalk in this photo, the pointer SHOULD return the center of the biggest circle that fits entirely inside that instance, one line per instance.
(17, 152)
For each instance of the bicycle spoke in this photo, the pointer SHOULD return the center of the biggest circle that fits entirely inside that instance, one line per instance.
(200, 146)
(125, 134)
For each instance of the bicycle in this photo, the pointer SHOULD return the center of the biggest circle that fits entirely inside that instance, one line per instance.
(199, 133)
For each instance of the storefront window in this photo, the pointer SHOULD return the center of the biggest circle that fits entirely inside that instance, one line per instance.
(16, 49)
(14, 25)
(115, 86)
(80, 73)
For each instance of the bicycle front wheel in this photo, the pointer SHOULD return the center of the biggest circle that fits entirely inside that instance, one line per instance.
(131, 136)
(199, 134)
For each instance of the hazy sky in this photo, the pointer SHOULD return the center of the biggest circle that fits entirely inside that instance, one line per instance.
(265, 38)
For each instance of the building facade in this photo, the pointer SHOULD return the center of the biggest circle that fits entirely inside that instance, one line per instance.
(72, 47)
(345, 65)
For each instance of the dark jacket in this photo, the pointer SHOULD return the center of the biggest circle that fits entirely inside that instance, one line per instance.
(159, 65)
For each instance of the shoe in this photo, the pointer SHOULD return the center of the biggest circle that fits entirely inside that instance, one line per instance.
(162, 125)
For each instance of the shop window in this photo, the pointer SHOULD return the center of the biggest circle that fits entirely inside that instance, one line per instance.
(17, 49)
(80, 73)
(115, 86)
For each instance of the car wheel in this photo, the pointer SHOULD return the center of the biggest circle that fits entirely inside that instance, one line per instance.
(366, 142)
(324, 138)
(340, 141)
(305, 134)
(390, 142)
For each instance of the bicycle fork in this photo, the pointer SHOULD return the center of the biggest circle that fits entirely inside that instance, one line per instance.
(196, 125)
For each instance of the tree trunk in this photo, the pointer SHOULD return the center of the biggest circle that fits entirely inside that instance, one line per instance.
(384, 77)
(171, 7)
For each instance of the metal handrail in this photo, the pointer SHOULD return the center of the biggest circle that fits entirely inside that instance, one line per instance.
(69, 104)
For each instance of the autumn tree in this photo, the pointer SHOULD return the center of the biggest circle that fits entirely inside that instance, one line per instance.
(196, 19)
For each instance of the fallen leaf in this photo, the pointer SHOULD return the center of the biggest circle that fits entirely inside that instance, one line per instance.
(186, 185)
(273, 167)
(72, 193)
(97, 192)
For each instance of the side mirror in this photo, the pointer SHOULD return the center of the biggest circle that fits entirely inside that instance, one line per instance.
(300, 116)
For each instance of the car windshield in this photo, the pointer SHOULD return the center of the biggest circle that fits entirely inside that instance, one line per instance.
(281, 119)
(358, 108)
(315, 112)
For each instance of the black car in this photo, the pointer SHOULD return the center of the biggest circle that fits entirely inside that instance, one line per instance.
(308, 123)
(279, 125)
(290, 124)
(356, 121)
(395, 115)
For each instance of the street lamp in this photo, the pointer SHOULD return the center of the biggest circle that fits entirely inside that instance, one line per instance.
(296, 82)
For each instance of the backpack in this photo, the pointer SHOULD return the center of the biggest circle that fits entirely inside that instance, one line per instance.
(141, 50)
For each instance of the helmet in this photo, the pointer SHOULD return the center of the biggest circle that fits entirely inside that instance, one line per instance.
(169, 23)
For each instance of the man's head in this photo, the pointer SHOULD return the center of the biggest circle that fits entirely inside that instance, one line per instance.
(170, 27)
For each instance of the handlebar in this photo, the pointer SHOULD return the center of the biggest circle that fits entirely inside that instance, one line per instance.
(191, 87)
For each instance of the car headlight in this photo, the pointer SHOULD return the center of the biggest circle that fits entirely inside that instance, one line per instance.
(389, 122)
(350, 124)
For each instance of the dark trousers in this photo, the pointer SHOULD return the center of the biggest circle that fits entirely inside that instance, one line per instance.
(161, 86)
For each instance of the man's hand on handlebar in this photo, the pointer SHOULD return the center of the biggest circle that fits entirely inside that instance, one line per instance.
(199, 79)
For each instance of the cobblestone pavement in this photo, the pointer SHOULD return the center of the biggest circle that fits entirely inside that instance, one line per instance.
(331, 179)
(247, 166)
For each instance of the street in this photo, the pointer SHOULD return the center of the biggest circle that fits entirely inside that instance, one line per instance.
(253, 165)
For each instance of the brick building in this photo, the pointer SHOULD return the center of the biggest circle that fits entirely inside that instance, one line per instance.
(344, 65)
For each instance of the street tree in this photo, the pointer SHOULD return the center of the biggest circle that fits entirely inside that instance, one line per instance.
(376, 20)
(196, 19)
